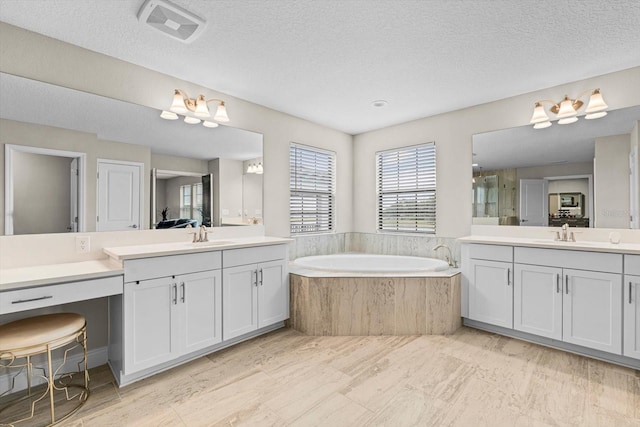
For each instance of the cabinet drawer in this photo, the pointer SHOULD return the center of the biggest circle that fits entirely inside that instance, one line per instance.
(149, 268)
(491, 252)
(579, 260)
(235, 257)
(632, 264)
(63, 293)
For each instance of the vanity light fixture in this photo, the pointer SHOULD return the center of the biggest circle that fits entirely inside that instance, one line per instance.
(255, 168)
(199, 107)
(566, 111)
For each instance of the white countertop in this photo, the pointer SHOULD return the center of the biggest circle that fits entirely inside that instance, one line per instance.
(621, 248)
(40, 275)
(122, 253)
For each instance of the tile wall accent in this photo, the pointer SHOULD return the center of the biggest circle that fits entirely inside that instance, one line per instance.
(373, 243)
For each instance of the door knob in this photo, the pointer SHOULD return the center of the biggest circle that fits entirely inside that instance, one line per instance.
(133, 226)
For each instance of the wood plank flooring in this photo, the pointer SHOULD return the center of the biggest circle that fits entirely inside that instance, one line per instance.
(471, 378)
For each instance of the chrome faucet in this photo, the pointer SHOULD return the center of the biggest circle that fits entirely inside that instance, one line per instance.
(565, 235)
(198, 236)
(449, 258)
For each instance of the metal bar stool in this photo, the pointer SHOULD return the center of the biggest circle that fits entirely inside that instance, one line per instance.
(21, 340)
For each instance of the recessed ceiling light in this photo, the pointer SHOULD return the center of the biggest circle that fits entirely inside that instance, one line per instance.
(379, 103)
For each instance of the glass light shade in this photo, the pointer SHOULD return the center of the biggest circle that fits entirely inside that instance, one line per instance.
(168, 115)
(221, 113)
(251, 168)
(177, 106)
(595, 115)
(566, 109)
(191, 120)
(259, 169)
(567, 120)
(542, 125)
(201, 107)
(539, 115)
(209, 124)
(596, 103)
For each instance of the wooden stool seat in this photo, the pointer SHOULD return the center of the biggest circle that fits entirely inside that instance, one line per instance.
(32, 335)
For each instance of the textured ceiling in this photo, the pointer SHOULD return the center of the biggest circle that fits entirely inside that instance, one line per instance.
(326, 61)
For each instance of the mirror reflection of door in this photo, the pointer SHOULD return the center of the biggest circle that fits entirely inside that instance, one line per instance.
(533, 202)
(119, 195)
(44, 190)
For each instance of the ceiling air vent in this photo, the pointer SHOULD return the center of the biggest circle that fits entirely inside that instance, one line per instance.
(172, 20)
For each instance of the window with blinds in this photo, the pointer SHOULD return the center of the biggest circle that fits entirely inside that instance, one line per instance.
(407, 189)
(311, 184)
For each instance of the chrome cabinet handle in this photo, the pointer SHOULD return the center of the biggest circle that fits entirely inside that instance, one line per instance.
(508, 277)
(21, 301)
(558, 283)
(629, 292)
(175, 294)
(133, 226)
(254, 277)
(566, 284)
(183, 292)
(261, 277)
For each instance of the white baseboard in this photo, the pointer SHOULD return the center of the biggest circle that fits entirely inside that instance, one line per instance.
(95, 357)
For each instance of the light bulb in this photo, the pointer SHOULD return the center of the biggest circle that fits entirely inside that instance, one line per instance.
(177, 106)
(539, 115)
(191, 120)
(201, 107)
(542, 125)
(221, 113)
(168, 115)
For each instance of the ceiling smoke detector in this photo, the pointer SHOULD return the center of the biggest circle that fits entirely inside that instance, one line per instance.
(172, 20)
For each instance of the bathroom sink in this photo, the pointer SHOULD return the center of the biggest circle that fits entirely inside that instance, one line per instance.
(210, 243)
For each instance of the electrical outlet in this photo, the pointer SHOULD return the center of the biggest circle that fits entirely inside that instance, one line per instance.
(83, 244)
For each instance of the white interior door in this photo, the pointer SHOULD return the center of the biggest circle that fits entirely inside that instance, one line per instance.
(534, 205)
(634, 187)
(119, 195)
(73, 199)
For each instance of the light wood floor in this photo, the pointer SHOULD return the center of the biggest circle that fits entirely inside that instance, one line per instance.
(471, 378)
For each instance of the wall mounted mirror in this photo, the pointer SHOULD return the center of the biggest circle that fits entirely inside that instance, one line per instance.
(577, 174)
(99, 129)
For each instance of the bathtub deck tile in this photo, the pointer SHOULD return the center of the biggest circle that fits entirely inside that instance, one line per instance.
(411, 313)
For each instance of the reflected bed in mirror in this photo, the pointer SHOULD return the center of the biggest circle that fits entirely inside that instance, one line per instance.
(576, 174)
(104, 129)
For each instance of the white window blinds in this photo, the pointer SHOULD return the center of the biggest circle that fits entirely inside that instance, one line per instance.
(312, 180)
(407, 189)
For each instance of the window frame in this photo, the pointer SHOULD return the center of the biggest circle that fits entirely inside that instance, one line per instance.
(428, 191)
(296, 190)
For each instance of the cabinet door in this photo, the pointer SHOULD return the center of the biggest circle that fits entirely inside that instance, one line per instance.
(631, 310)
(200, 299)
(273, 293)
(537, 300)
(491, 293)
(150, 323)
(239, 300)
(592, 310)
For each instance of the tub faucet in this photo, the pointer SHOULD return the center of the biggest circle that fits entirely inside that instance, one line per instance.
(449, 258)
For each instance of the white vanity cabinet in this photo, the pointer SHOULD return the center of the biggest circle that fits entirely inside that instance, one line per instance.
(537, 295)
(490, 284)
(631, 306)
(170, 315)
(255, 289)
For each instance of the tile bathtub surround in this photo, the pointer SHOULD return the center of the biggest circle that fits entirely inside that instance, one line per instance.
(373, 243)
(359, 306)
(285, 378)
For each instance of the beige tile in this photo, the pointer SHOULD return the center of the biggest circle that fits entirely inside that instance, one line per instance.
(255, 415)
(614, 389)
(410, 309)
(409, 408)
(336, 411)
